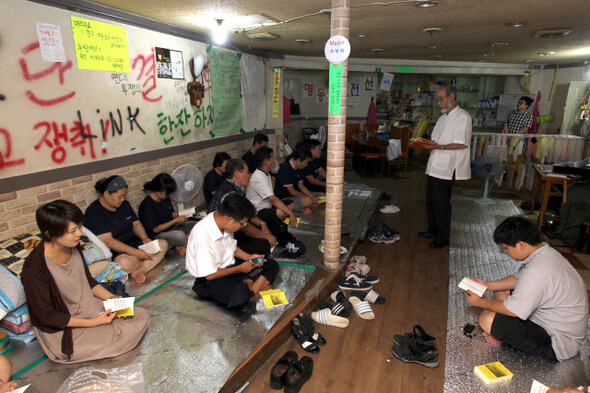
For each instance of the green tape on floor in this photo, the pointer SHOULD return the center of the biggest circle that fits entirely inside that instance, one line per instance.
(42, 358)
(304, 267)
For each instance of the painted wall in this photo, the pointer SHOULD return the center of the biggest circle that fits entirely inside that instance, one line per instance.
(55, 115)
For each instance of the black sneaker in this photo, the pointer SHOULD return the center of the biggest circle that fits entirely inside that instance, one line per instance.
(293, 249)
(412, 351)
(418, 334)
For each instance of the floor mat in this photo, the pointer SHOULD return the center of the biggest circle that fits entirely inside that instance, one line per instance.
(473, 253)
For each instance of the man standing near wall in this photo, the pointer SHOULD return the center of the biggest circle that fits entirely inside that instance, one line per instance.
(449, 160)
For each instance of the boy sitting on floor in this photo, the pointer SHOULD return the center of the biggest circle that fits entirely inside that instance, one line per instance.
(210, 256)
(543, 308)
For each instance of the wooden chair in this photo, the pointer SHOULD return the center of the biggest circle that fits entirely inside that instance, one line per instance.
(402, 134)
(373, 147)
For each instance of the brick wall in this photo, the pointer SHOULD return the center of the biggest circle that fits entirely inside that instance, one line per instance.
(17, 209)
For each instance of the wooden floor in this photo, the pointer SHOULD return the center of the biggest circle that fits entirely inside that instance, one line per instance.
(413, 278)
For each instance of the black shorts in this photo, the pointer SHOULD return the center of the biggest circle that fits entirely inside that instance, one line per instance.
(525, 336)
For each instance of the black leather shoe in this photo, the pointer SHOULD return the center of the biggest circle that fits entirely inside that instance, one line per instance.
(427, 235)
(299, 373)
(279, 370)
(438, 244)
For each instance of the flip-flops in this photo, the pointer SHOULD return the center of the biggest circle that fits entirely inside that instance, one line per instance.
(362, 308)
(325, 317)
(342, 306)
(371, 296)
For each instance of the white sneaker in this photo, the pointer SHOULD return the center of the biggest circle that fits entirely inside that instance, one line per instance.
(389, 209)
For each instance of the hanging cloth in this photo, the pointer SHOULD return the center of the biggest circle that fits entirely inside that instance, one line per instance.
(372, 115)
(534, 126)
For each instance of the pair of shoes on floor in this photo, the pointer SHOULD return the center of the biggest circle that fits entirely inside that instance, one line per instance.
(357, 282)
(303, 330)
(383, 234)
(293, 249)
(389, 209)
(291, 373)
(358, 259)
(342, 306)
(358, 268)
(336, 315)
(416, 347)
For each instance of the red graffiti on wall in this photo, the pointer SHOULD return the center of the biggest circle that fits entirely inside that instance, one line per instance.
(78, 136)
(32, 76)
(4, 162)
(148, 70)
(207, 76)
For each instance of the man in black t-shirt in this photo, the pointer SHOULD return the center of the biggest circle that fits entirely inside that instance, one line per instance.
(314, 171)
(215, 176)
(250, 156)
(289, 185)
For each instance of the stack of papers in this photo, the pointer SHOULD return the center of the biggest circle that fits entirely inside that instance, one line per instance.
(152, 247)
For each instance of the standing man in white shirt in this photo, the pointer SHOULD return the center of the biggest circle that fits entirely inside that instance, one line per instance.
(449, 161)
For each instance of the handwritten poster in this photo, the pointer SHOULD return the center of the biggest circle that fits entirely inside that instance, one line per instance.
(276, 92)
(335, 94)
(100, 46)
(169, 64)
(225, 83)
(52, 48)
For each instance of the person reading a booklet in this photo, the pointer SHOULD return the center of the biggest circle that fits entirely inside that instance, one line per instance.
(543, 308)
(65, 303)
(113, 220)
(158, 216)
(223, 272)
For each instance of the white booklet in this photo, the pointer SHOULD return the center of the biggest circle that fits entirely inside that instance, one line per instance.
(538, 387)
(187, 212)
(119, 303)
(152, 247)
(21, 389)
(473, 286)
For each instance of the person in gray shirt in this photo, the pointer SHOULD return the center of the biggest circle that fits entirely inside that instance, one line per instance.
(543, 308)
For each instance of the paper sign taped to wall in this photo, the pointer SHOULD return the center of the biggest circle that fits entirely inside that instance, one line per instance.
(100, 46)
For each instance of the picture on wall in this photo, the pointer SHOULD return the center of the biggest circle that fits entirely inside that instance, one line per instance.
(169, 64)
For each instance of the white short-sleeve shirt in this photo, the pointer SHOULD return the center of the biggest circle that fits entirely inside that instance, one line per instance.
(452, 127)
(259, 189)
(209, 249)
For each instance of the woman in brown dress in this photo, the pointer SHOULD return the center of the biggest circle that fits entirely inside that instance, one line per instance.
(65, 303)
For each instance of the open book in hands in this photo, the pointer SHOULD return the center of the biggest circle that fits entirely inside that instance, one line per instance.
(191, 211)
(473, 286)
(152, 247)
(123, 306)
(419, 143)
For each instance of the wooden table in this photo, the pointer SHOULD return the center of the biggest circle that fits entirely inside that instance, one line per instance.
(548, 179)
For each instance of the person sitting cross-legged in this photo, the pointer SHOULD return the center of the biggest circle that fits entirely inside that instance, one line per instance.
(270, 208)
(223, 272)
(543, 308)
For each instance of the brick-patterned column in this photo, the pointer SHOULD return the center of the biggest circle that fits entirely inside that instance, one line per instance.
(336, 139)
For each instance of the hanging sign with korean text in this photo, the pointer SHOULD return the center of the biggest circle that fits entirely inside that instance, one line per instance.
(337, 49)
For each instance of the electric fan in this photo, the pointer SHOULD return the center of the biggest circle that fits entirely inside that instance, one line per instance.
(488, 167)
(189, 181)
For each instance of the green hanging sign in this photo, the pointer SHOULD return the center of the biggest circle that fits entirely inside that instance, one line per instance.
(335, 94)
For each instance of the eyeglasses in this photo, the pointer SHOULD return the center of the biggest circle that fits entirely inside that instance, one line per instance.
(242, 224)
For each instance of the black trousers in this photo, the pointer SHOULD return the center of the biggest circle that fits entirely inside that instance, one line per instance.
(231, 291)
(438, 207)
(252, 245)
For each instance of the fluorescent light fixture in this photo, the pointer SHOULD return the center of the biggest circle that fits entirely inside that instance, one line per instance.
(219, 34)
(499, 44)
(360, 35)
(302, 41)
(426, 4)
(515, 24)
(432, 30)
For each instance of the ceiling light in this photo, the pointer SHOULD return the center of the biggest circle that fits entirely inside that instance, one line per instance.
(515, 24)
(219, 34)
(499, 44)
(426, 4)
(488, 54)
(432, 30)
(377, 50)
(546, 53)
(434, 47)
(302, 41)
(361, 35)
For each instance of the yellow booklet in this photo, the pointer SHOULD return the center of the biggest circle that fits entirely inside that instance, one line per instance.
(123, 306)
(493, 372)
(322, 200)
(274, 297)
(288, 221)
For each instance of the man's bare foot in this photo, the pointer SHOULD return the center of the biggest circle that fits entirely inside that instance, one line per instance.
(491, 339)
(181, 250)
(307, 211)
(138, 275)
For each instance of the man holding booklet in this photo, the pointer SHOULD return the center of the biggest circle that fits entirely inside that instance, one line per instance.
(223, 271)
(543, 308)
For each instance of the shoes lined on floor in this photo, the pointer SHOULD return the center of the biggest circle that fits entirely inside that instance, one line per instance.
(290, 373)
(417, 347)
(382, 233)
